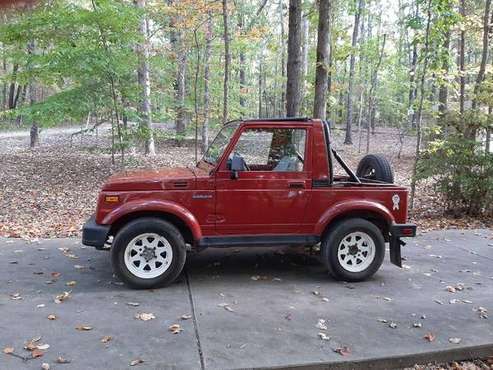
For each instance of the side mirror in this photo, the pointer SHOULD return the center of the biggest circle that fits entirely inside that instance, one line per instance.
(237, 165)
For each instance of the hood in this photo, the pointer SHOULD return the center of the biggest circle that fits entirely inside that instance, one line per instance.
(151, 179)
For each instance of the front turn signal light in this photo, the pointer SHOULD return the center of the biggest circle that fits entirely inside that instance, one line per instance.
(111, 199)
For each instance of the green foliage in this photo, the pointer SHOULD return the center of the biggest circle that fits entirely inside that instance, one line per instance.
(462, 172)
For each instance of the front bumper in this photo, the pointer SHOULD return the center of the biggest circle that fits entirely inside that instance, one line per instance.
(397, 231)
(93, 234)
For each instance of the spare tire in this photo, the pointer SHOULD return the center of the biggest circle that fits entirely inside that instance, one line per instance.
(375, 167)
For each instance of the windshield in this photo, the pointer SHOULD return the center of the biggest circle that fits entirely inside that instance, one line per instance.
(216, 149)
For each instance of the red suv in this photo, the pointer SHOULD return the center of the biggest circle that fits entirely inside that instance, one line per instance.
(261, 182)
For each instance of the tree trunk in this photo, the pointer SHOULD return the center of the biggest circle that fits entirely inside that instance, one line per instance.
(305, 28)
(293, 86)
(443, 91)
(462, 72)
(420, 106)
(145, 83)
(12, 93)
(282, 101)
(321, 75)
(227, 60)
(260, 88)
(207, 57)
(371, 95)
(412, 79)
(242, 66)
(484, 54)
(349, 118)
(34, 135)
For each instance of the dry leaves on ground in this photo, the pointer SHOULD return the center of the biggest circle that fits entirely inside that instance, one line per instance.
(8, 350)
(137, 361)
(430, 337)
(83, 328)
(62, 297)
(106, 339)
(175, 328)
(145, 316)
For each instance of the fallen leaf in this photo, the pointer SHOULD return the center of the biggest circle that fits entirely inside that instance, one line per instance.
(133, 304)
(175, 328)
(71, 283)
(321, 324)
(136, 362)
(52, 317)
(56, 275)
(383, 320)
(343, 351)
(430, 337)
(15, 296)
(106, 339)
(186, 317)
(83, 328)
(43, 347)
(323, 336)
(325, 299)
(438, 301)
(145, 316)
(8, 350)
(45, 366)
(62, 297)
(450, 289)
(392, 325)
(455, 340)
(61, 360)
(316, 292)
(40, 305)
(37, 353)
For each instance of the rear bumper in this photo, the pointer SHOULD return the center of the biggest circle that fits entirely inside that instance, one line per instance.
(93, 234)
(398, 231)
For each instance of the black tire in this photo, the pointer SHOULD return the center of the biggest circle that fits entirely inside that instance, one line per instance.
(142, 226)
(375, 167)
(333, 239)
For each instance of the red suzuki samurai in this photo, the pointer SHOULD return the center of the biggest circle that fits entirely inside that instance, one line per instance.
(261, 182)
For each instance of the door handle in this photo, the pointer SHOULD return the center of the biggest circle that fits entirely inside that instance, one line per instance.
(297, 185)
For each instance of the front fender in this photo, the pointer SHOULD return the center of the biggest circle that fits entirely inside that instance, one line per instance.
(352, 207)
(156, 206)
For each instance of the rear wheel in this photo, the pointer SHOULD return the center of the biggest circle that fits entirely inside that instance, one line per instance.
(148, 253)
(353, 249)
(375, 167)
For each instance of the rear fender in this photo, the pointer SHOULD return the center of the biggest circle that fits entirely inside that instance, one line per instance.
(349, 208)
(156, 206)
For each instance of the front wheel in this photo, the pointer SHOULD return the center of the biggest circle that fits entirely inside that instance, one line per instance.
(353, 249)
(147, 253)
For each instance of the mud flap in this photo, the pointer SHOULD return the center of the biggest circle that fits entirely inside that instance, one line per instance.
(395, 250)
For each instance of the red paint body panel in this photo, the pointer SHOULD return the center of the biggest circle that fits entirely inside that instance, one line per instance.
(211, 203)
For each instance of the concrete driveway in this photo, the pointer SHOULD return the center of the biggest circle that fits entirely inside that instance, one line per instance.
(246, 308)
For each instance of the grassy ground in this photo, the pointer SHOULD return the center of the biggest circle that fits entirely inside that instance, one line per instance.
(51, 190)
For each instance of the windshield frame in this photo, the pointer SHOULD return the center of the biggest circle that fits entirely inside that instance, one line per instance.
(235, 125)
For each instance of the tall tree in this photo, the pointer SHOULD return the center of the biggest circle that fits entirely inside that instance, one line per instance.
(462, 71)
(349, 118)
(443, 90)
(207, 58)
(145, 81)
(321, 73)
(293, 85)
(227, 60)
(424, 71)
